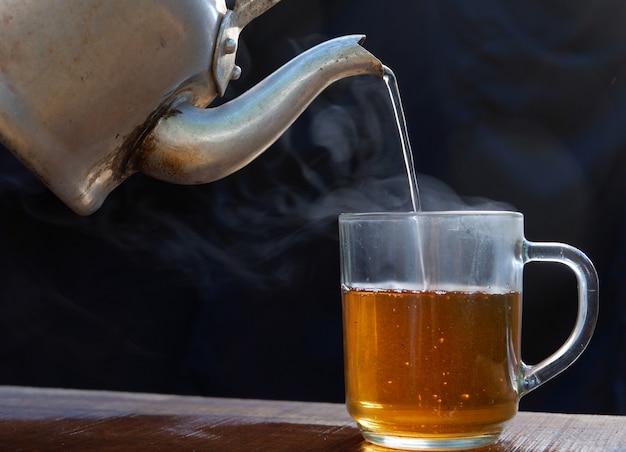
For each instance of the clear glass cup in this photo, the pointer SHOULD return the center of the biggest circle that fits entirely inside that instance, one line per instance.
(432, 305)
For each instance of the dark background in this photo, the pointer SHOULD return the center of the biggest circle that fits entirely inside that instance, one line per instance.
(232, 288)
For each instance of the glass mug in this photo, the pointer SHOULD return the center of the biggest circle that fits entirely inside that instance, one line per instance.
(432, 306)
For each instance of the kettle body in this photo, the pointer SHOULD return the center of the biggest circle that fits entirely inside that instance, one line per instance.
(79, 80)
(92, 91)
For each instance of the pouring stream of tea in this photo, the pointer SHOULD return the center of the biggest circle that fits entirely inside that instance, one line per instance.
(398, 112)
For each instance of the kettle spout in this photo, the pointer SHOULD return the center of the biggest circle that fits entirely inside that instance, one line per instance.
(191, 145)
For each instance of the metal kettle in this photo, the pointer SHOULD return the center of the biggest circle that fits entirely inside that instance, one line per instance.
(94, 91)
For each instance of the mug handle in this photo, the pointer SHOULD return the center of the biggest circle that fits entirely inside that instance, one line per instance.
(588, 301)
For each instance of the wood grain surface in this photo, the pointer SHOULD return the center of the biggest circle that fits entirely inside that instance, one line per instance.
(36, 419)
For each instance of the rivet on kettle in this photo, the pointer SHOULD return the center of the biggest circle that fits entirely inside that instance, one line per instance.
(230, 46)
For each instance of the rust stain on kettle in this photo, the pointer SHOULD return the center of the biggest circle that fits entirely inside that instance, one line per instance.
(124, 162)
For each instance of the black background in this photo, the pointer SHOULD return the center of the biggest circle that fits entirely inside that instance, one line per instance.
(232, 288)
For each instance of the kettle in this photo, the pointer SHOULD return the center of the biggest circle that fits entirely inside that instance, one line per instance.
(94, 91)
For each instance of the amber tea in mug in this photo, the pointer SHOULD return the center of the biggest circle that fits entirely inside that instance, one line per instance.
(432, 323)
(451, 393)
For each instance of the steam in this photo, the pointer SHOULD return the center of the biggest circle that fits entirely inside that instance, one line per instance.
(437, 195)
(343, 155)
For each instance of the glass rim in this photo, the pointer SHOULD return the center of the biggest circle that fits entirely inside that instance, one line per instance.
(348, 216)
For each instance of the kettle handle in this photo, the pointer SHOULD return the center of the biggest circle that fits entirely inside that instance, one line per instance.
(244, 11)
(247, 10)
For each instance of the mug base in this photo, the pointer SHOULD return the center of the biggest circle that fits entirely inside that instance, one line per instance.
(440, 444)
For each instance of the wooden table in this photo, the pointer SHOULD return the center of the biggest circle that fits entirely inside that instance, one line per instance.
(34, 419)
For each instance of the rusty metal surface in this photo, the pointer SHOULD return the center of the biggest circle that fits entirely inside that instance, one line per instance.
(78, 78)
